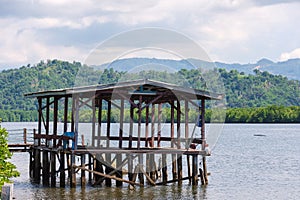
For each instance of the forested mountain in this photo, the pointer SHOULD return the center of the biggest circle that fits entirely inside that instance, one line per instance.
(289, 68)
(241, 90)
(14, 83)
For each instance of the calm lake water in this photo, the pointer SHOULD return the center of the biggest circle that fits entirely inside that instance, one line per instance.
(242, 166)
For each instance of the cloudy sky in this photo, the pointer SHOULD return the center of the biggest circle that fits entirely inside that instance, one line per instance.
(229, 31)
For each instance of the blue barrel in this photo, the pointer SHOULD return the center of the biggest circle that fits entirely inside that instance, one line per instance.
(66, 142)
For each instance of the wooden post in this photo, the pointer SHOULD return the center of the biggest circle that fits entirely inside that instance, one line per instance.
(55, 120)
(53, 168)
(130, 157)
(46, 168)
(99, 122)
(130, 127)
(73, 114)
(146, 144)
(93, 122)
(152, 159)
(31, 162)
(152, 125)
(119, 156)
(47, 119)
(164, 168)
(73, 173)
(195, 170)
(130, 167)
(108, 155)
(98, 167)
(189, 168)
(174, 173)
(139, 122)
(37, 165)
(179, 156)
(25, 135)
(52, 153)
(66, 115)
(62, 154)
(36, 152)
(90, 167)
(147, 126)
(69, 165)
(83, 181)
(62, 170)
(140, 171)
(159, 124)
(76, 121)
(201, 176)
(203, 138)
(141, 160)
(40, 118)
(186, 123)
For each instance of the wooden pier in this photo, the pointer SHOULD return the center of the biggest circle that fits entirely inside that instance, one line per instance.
(142, 153)
(22, 140)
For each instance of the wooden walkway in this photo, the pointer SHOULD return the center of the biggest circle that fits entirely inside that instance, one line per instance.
(20, 140)
(19, 147)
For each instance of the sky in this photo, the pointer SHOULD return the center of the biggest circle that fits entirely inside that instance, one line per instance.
(231, 31)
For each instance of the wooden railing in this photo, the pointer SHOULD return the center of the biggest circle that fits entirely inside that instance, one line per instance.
(20, 140)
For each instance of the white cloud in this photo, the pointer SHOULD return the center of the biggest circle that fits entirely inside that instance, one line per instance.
(230, 30)
(289, 55)
(21, 44)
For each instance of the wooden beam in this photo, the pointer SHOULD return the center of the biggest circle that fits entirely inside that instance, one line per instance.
(108, 176)
(83, 103)
(152, 102)
(129, 100)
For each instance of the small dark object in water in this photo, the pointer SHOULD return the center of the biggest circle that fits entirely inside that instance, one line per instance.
(259, 135)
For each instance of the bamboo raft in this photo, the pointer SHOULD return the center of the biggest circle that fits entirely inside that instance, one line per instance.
(138, 156)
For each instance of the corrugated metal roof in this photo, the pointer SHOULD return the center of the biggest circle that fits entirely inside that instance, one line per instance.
(130, 86)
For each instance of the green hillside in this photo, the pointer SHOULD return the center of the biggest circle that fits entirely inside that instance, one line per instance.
(260, 89)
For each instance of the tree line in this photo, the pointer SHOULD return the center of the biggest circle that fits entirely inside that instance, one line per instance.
(269, 114)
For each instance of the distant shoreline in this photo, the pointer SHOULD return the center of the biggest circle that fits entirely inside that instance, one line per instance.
(268, 114)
